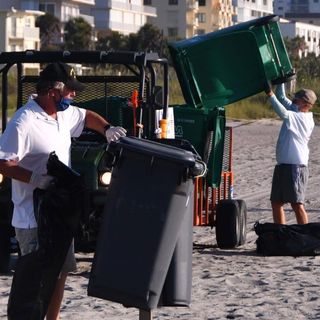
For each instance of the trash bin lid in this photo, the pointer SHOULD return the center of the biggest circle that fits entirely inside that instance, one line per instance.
(230, 64)
(151, 148)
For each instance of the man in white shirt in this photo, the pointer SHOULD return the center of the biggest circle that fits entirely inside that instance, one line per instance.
(290, 175)
(45, 124)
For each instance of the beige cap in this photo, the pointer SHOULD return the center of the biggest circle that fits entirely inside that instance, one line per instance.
(307, 95)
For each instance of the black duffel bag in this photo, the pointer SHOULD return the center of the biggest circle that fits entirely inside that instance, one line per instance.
(288, 240)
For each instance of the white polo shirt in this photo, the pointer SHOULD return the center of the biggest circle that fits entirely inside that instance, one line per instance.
(31, 135)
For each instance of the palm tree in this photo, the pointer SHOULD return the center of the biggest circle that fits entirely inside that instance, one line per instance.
(112, 41)
(78, 34)
(50, 31)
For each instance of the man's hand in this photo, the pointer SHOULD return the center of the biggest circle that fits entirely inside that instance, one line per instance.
(41, 181)
(115, 133)
(268, 89)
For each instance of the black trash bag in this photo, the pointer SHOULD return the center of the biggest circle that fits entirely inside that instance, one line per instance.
(58, 212)
(25, 289)
(288, 240)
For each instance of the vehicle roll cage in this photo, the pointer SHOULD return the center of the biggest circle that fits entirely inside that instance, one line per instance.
(141, 64)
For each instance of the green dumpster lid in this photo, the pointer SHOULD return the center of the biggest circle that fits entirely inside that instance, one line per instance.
(230, 64)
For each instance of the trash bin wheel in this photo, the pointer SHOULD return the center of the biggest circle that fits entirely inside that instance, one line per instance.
(228, 224)
(242, 222)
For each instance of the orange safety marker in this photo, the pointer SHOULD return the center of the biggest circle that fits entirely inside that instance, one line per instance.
(134, 104)
(164, 127)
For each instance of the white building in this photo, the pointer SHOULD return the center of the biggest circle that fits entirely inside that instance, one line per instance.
(307, 11)
(310, 33)
(124, 16)
(246, 10)
(18, 29)
(62, 9)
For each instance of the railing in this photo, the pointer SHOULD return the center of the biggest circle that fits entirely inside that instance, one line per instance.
(146, 10)
(89, 19)
(89, 2)
(128, 27)
(192, 5)
(26, 33)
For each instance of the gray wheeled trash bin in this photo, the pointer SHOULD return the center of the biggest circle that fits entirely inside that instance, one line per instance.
(151, 192)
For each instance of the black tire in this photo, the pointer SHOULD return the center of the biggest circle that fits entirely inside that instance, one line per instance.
(242, 222)
(228, 224)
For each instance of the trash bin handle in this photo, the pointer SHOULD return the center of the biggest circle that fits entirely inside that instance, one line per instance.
(275, 49)
(202, 174)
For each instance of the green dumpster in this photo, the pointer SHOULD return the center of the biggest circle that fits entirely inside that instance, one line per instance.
(230, 64)
(205, 129)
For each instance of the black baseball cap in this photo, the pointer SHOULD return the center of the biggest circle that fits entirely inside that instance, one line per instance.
(59, 71)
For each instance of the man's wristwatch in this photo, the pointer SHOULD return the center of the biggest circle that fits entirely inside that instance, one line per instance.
(107, 126)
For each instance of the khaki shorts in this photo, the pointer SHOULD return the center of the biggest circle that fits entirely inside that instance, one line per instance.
(28, 242)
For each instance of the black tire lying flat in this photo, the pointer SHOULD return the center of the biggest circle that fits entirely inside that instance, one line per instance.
(231, 223)
(243, 222)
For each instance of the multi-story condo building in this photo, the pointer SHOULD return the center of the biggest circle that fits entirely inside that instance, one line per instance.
(178, 19)
(18, 18)
(62, 9)
(251, 9)
(18, 29)
(214, 15)
(124, 16)
(307, 11)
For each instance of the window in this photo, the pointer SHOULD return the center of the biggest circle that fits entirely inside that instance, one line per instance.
(173, 2)
(201, 17)
(27, 22)
(47, 7)
(147, 2)
(201, 31)
(172, 32)
(202, 3)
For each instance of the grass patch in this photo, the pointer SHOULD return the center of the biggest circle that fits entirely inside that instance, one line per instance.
(249, 109)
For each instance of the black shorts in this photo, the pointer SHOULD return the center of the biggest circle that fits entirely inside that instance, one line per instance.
(289, 183)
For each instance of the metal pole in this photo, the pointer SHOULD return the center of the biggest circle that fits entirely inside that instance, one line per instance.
(145, 315)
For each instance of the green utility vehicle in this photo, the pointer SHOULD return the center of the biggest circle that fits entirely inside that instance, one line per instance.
(130, 88)
(107, 92)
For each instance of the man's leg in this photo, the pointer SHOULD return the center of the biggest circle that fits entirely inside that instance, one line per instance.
(301, 214)
(278, 213)
(56, 299)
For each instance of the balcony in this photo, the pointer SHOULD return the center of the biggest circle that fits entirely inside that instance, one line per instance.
(124, 28)
(26, 33)
(89, 19)
(145, 10)
(192, 5)
(193, 23)
(87, 2)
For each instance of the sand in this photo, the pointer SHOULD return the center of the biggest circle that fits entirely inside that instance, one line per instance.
(228, 284)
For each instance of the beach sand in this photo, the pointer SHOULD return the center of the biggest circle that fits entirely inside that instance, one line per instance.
(228, 284)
